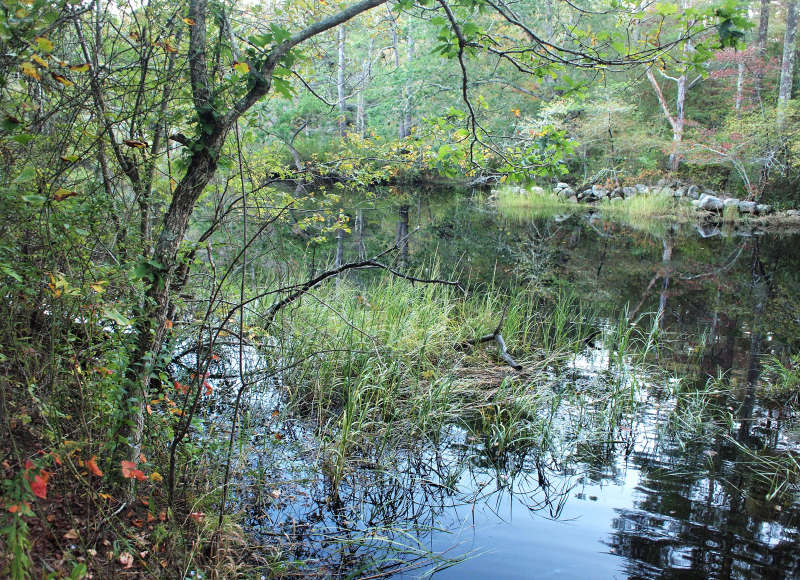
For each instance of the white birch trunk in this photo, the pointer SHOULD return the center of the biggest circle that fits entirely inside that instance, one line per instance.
(787, 64)
(340, 83)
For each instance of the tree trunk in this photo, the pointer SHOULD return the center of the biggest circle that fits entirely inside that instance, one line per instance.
(150, 321)
(759, 289)
(402, 235)
(739, 86)
(405, 130)
(787, 64)
(340, 84)
(366, 74)
(359, 227)
(666, 263)
(761, 44)
(680, 120)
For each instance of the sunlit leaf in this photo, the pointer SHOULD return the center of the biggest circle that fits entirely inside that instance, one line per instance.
(39, 60)
(29, 69)
(43, 44)
(79, 67)
(189, 21)
(62, 194)
(241, 67)
(62, 79)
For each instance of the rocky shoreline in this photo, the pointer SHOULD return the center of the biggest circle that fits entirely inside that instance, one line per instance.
(702, 198)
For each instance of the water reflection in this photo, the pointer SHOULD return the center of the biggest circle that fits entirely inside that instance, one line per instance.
(641, 488)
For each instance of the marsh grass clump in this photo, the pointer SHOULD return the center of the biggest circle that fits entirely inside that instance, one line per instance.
(524, 205)
(781, 384)
(391, 365)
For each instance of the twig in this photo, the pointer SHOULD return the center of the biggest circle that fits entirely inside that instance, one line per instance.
(498, 338)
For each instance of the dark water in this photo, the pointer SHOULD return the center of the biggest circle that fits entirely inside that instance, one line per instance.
(661, 497)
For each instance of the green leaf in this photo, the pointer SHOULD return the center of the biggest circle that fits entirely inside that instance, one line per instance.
(9, 272)
(43, 44)
(116, 316)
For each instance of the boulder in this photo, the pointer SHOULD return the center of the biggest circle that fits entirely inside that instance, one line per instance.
(572, 199)
(537, 190)
(763, 209)
(747, 207)
(708, 203)
(628, 191)
(693, 192)
(599, 192)
(731, 201)
(793, 212)
(642, 188)
(615, 193)
(561, 185)
(566, 191)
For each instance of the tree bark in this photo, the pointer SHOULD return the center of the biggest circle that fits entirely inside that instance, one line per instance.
(340, 83)
(787, 63)
(761, 44)
(739, 86)
(677, 121)
(408, 106)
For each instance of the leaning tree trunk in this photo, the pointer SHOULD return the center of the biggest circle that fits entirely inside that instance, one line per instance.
(150, 322)
(787, 64)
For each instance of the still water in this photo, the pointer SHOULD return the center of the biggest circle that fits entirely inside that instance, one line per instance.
(658, 495)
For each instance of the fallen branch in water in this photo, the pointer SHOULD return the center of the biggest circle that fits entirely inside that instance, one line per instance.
(498, 338)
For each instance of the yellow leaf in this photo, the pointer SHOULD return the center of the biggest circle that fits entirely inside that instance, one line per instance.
(79, 67)
(104, 495)
(62, 194)
(44, 44)
(156, 476)
(98, 286)
(241, 67)
(189, 21)
(39, 60)
(62, 79)
(28, 68)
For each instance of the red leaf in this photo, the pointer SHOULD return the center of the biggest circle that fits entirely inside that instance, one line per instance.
(39, 484)
(93, 469)
(127, 468)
